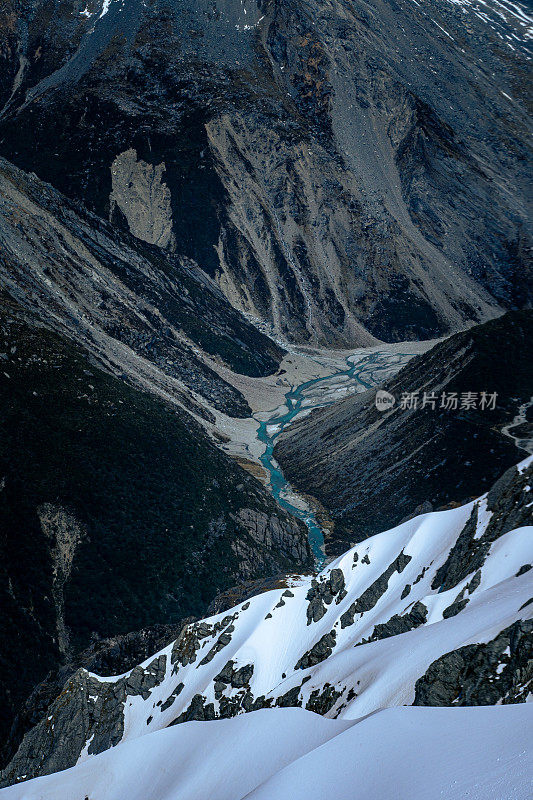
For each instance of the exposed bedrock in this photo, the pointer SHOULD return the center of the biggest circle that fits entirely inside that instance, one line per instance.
(343, 172)
(342, 643)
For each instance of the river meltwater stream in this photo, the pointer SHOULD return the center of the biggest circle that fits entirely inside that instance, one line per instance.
(362, 372)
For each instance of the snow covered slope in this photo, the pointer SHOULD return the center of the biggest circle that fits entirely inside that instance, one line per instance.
(187, 759)
(420, 753)
(363, 635)
(296, 754)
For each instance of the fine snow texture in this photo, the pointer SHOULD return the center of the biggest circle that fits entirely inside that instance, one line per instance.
(222, 761)
(481, 753)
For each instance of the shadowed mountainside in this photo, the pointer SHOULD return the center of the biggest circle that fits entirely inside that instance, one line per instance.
(145, 314)
(116, 510)
(342, 170)
(370, 469)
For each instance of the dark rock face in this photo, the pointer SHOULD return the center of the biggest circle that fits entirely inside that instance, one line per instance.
(67, 712)
(86, 711)
(399, 623)
(371, 469)
(267, 532)
(198, 710)
(342, 171)
(237, 678)
(321, 702)
(95, 713)
(299, 162)
(456, 607)
(505, 502)
(290, 699)
(112, 656)
(146, 314)
(500, 671)
(322, 593)
(319, 652)
(116, 510)
(370, 596)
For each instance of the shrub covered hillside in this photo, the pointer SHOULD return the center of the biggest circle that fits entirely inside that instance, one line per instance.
(116, 511)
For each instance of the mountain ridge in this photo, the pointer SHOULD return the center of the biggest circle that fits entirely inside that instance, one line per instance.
(313, 160)
(332, 644)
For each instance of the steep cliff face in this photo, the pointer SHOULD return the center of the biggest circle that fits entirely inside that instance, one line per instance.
(342, 171)
(106, 492)
(371, 468)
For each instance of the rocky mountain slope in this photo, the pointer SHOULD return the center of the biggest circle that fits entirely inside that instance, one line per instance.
(371, 468)
(176, 179)
(371, 631)
(116, 510)
(343, 171)
(147, 316)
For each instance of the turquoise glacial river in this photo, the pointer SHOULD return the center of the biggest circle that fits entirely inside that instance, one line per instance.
(280, 488)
